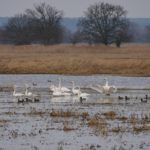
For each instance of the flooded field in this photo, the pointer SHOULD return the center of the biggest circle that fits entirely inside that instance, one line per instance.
(63, 123)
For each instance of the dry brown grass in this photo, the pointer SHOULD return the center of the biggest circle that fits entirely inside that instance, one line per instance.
(110, 115)
(80, 59)
(64, 114)
(143, 128)
(67, 128)
(117, 129)
(100, 125)
(68, 113)
(3, 122)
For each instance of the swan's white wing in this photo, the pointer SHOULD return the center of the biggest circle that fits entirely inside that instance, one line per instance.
(84, 95)
(101, 88)
(64, 89)
(112, 89)
(96, 88)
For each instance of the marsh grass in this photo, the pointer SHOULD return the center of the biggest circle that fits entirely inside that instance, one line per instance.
(100, 126)
(143, 128)
(110, 115)
(122, 118)
(107, 122)
(64, 114)
(117, 129)
(79, 59)
(3, 122)
(68, 113)
(67, 128)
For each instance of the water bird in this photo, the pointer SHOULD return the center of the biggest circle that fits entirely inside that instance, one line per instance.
(34, 84)
(27, 93)
(63, 88)
(81, 100)
(60, 90)
(29, 96)
(146, 97)
(60, 87)
(82, 96)
(127, 98)
(17, 94)
(106, 88)
(75, 91)
(21, 100)
(143, 101)
(49, 81)
(120, 98)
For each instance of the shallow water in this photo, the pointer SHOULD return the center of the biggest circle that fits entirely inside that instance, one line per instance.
(22, 130)
(83, 81)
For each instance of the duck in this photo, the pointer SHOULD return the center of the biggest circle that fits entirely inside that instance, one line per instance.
(146, 97)
(143, 101)
(120, 98)
(34, 84)
(127, 98)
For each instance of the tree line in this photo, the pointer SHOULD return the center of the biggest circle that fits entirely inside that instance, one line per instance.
(102, 23)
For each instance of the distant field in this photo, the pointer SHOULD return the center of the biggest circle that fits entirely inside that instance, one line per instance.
(132, 60)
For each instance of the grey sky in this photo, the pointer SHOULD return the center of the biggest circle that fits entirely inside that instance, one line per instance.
(75, 8)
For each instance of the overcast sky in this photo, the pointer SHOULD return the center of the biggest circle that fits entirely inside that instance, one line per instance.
(75, 8)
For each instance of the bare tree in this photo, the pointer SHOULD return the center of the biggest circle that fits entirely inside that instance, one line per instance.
(45, 23)
(103, 21)
(124, 33)
(76, 37)
(17, 30)
(147, 33)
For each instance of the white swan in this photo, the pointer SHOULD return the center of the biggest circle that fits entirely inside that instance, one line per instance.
(58, 93)
(29, 96)
(27, 93)
(106, 89)
(17, 94)
(59, 87)
(82, 95)
(64, 89)
(60, 90)
(74, 90)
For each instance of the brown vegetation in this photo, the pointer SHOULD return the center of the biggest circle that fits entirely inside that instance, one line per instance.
(137, 123)
(68, 113)
(64, 114)
(67, 128)
(110, 115)
(80, 59)
(139, 129)
(100, 125)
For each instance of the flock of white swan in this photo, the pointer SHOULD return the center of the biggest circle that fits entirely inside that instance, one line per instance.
(62, 91)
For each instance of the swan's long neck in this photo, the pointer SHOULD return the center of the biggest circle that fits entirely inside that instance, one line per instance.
(106, 84)
(59, 83)
(72, 85)
(26, 92)
(79, 92)
(14, 92)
